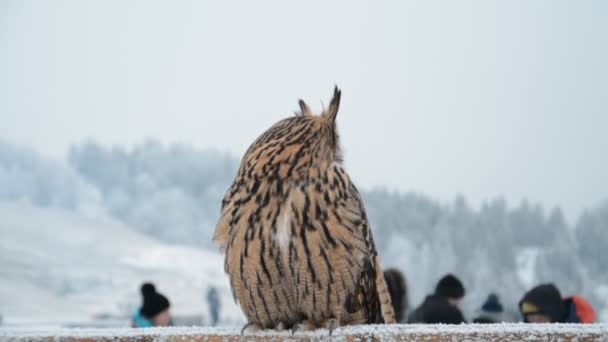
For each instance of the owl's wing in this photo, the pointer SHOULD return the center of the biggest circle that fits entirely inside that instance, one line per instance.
(222, 229)
(332, 241)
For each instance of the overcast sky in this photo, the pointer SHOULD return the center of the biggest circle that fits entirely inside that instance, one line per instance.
(482, 98)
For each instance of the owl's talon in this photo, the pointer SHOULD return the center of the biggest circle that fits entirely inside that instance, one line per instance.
(331, 325)
(254, 327)
(305, 325)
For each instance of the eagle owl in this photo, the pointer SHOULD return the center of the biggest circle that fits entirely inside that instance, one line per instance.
(298, 248)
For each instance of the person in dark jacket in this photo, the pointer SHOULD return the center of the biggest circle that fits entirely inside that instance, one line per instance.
(544, 304)
(213, 300)
(442, 306)
(395, 281)
(491, 311)
(154, 311)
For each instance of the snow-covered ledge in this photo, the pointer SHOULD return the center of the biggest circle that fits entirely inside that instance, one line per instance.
(470, 332)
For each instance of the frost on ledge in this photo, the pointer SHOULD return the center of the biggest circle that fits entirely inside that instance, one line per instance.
(400, 332)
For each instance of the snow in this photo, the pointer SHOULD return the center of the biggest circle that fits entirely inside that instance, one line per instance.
(59, 266)
(468, 332)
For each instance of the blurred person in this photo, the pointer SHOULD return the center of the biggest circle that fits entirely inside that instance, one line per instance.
(395, 281)
(491, 311)
(154, 311)
(544, 304)
(213, 300)
(442, 306)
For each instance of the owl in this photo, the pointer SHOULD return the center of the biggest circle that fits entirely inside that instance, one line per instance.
(299, 252)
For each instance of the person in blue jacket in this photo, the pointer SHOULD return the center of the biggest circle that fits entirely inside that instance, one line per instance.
(154, 311)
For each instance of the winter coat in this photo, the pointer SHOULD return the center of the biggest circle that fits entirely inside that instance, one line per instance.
(213, 298)
(214, 305)
(139, 321)
(546, 299)
(436, 309)
(579, 310)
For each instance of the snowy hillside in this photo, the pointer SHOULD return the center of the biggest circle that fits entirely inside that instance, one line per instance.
(60, 266)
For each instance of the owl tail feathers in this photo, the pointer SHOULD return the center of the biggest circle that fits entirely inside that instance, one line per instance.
(386, 306)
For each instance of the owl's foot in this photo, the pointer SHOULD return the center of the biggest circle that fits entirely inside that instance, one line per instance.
(281, 326)
(331, 325)
(305, 325)
(250, 328)
(308, 325)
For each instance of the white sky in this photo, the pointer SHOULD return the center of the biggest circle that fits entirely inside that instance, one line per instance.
(476, 97)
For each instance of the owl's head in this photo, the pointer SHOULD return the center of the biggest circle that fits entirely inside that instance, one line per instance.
(297, 144)
(326, 133)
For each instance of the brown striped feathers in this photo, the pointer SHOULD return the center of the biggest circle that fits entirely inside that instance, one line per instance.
(298, 248)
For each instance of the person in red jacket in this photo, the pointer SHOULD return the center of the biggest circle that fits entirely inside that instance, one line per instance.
(544, 304)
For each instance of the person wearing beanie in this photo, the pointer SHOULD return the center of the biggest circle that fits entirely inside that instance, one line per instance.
(544, 304)
(442, 306)
(451, 288)
(491, 311)
(154, 311)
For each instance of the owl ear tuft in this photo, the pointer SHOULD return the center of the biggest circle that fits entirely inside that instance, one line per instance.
(331, 112)
(304, 109)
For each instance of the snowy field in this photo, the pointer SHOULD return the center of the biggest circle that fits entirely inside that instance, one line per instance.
(76, 271)
(472, 332)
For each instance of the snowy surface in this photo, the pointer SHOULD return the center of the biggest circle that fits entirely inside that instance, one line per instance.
(471, 332)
